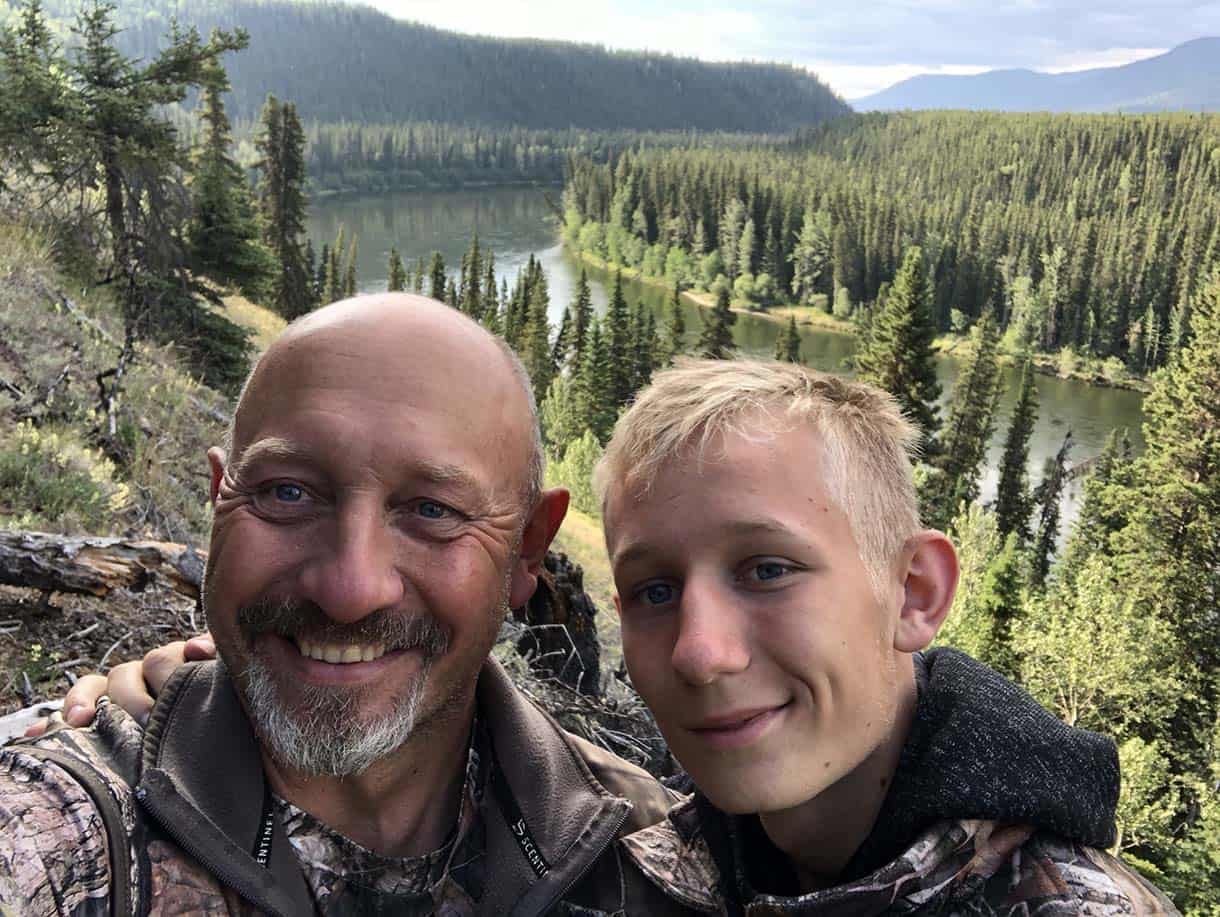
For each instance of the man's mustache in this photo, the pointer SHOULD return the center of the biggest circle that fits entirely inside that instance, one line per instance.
(301, 618)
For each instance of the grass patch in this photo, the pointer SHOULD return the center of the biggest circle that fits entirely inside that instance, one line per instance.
(263, 324)
(580, 538)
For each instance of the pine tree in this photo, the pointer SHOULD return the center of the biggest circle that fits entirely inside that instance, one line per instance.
(224, 232)
(673, 340)
(582, 315)
(350, 281)
(421, 273)
(436, 277)
(618, 340)
(971, 422)
(1014, 504)
(594, 386)
(281, 145)
(1050, 489)
(644, 346)
(716, 339)
(489, 303)
(563, 340)
(472, 295)
(899, 356)
(535, 338)
(788, 343)
(810, 256)
(451, 293)
(398, 275)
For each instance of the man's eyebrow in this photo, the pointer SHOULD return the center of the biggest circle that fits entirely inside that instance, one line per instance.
(439, 473)
(272, 447)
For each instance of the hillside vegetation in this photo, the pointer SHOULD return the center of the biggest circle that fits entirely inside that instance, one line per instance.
(340, 62)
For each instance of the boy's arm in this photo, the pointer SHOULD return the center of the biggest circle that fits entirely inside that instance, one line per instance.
(133, 686)
(53, 847)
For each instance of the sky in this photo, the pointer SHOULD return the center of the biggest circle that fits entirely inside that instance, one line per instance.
(856, 46)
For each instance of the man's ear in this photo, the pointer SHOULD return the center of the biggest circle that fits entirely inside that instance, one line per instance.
(929, 584)
(216, 463)
(539, 531)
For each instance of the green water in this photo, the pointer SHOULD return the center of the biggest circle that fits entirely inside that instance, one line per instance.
(517, 222)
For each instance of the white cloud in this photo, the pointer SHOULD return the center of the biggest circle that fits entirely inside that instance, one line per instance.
(1088, 60)
(856, 81)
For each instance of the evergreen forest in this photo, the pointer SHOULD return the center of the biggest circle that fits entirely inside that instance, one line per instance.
(153, 214)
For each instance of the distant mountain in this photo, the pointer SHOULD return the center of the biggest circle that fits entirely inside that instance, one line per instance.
(1186, 78)
(341, 62)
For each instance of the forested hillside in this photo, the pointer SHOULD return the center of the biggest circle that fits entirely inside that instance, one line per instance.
(340, 62)
(1083, 232)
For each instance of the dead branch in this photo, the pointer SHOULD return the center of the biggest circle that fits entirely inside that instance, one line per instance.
(97, 566)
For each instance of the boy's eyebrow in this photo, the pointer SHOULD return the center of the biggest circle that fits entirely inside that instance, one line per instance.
(744, 528)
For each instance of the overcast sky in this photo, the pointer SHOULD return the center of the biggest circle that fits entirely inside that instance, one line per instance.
(857, 46)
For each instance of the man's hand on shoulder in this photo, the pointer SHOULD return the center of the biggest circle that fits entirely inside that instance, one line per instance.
(134, 686)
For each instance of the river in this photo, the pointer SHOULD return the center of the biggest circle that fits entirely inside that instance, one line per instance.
(517, 222)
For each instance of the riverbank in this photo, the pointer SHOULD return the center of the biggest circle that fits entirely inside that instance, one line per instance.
(1065, 365)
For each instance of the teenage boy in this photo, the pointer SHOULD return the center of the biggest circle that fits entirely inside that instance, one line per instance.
(776, 592)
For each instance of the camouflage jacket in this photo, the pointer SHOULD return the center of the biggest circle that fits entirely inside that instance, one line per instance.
(958, 867)
(189, 798)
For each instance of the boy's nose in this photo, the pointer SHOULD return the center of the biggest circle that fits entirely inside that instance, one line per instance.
(712, 638)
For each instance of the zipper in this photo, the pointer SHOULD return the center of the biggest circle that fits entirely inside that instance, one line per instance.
(572, 883)
(218, 870)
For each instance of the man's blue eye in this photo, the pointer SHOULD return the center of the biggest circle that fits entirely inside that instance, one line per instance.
(658, 593)
(431, 510)
(289, 493)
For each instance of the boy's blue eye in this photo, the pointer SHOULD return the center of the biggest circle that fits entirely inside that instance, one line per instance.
(289, 493)
(769, 571)
(658, 593)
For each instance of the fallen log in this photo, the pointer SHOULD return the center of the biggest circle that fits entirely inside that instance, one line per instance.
(97, 566)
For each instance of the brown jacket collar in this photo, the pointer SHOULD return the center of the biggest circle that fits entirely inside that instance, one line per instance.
(202, 781)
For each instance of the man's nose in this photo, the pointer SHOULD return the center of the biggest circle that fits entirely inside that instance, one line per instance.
(712, 637)
(354, 572)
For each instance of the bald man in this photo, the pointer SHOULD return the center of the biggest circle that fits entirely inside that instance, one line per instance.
(377, 509)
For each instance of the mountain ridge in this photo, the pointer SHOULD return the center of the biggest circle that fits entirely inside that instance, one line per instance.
(1185, 78)
(353, 63)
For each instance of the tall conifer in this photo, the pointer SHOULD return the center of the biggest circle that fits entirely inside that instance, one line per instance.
(898, 356)
(1013, 503)
(716, 339)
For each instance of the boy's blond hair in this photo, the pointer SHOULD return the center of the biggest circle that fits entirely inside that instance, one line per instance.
(867, 443)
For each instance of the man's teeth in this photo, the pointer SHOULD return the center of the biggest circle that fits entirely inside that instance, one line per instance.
(341, 652)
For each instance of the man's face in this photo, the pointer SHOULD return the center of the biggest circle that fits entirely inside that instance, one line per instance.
(364, 539)
(749, 623)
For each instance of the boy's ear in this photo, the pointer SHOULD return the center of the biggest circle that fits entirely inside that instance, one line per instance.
(929, 584)
(539, 530)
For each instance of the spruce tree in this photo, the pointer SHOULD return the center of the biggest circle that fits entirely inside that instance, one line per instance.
(224, 233)
(899, 356)
(436, 277)
(535, 337)
(1050, 489)
(398, 274)
(1013, 504)
(350, 280)
(563, 340)
(472, 294)
(281, 145)
(617, 330)
(594, 386)
(971, 422)
(672, 341)
(716, 339)
(644, 346)
(420, 275)
(582, 315)
(788, 343)
(489, 303)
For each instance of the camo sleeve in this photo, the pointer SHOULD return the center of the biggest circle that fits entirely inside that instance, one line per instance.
(53, 854)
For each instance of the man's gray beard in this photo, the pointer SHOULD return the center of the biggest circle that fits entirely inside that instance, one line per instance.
(322, 734)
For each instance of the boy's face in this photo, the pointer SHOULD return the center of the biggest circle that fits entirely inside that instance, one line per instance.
(749, 622)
